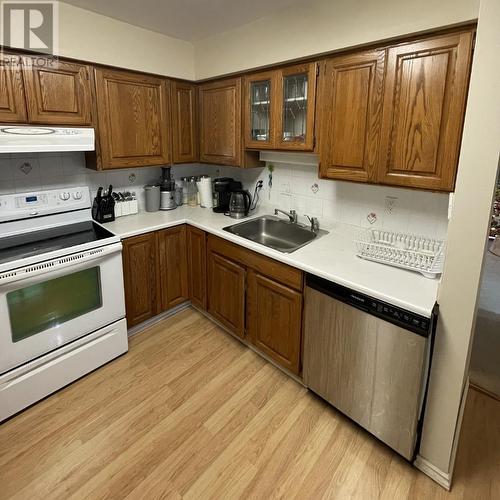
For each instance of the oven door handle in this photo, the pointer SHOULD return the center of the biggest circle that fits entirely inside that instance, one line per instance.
(57, 264)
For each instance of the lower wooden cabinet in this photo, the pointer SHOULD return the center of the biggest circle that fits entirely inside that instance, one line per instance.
(140, 267)
(274, 320)
(155, 273)
(226, 296)
(256, 298)
(197, 266)
(172, 276)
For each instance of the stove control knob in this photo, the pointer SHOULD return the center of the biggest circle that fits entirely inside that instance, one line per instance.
(64, 196)
(77, 195)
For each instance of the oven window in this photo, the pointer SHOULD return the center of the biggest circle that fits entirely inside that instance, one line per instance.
(45, 305)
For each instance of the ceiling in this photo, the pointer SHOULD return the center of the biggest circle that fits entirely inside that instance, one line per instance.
(185, 19)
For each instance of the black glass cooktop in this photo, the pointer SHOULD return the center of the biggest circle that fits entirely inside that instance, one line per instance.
(48, 240)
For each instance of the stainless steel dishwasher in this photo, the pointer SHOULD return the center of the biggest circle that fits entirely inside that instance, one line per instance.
(369, 359)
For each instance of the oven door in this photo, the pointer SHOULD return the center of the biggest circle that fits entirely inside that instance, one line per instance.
(47, 305)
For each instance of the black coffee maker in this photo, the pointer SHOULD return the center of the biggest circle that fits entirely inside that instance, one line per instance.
(222, 189)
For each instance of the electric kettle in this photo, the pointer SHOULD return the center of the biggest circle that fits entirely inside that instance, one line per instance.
(239, 204)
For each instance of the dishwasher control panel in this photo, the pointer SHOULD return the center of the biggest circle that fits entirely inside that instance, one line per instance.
(393, 314)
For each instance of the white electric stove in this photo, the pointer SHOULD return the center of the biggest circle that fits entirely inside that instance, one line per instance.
(62, 305)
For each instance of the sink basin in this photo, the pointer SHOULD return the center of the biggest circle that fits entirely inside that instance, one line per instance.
(275, 233)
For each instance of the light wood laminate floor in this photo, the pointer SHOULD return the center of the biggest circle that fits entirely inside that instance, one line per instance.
(191, 413)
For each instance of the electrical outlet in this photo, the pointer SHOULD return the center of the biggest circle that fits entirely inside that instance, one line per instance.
(390, 205)
(285, 188)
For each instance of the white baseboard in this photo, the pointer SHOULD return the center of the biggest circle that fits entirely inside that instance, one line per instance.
(156, 319)
(442, 478)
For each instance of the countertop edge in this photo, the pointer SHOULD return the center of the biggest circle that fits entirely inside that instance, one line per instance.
(279, 256)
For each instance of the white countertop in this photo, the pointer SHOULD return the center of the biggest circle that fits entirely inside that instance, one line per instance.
(332, 256)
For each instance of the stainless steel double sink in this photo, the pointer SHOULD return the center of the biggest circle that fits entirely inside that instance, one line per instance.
(275, 233)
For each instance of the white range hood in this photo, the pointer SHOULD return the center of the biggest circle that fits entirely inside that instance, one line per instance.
(33, 139)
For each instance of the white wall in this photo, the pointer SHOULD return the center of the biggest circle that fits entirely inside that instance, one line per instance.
(91, 37)
(317, 26)
(467, 232)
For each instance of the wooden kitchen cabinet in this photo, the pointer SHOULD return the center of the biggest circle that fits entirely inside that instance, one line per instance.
(424, 102)
(197, 266)
(12, 95)
(134, 126)
(185, 137)
(226, 292)
(220, 122)
(221, 125)
(279, 108)
(274, 319)
(57, 93)
(258, 299)
(260, 108)
(140, 270)
(172, 276)
(296, 98)
(351, 107)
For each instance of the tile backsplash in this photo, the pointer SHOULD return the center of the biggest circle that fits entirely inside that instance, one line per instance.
(293, 186)
(298, 187)
(30, 172)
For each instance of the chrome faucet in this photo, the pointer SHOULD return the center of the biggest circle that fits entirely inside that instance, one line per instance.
(314, 223)
(292, 215)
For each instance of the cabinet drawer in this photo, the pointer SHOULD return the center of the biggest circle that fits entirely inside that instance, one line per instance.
(283, 273)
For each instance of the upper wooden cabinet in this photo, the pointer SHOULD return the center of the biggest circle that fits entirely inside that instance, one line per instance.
(260, 109)
(351, 100)
(220, 122)
(424, 102)
(12, 98)
(296, 97)
(221, 125)
(403, 128)
(133, 113)
(57, 93)
(185, 122)
(279, 108)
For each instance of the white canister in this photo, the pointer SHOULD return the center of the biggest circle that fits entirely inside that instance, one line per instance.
(205, 190)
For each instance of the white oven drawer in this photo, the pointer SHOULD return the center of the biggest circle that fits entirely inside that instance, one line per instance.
(47, 305)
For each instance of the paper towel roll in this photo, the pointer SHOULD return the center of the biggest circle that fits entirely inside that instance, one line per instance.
(205, 189)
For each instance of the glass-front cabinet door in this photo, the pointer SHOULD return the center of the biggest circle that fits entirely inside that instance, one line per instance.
(259, 101)
(296, 97)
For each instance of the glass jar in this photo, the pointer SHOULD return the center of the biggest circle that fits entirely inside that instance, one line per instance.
(179, 195)
(184, 181)
(192, 192)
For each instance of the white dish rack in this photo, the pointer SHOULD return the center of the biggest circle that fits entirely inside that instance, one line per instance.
(408, 251)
